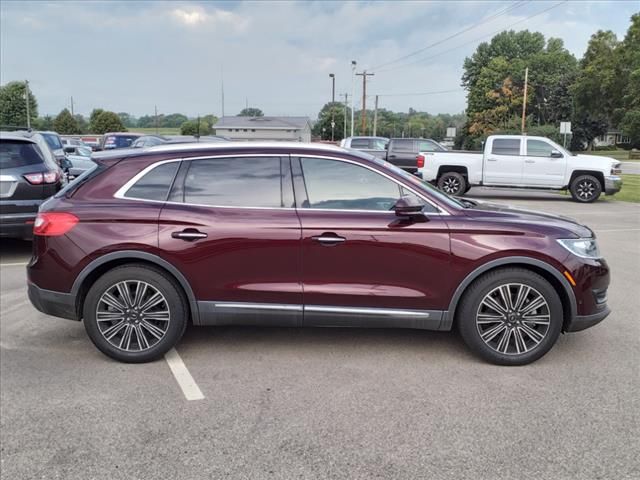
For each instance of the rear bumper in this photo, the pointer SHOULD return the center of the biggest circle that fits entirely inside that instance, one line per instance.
(53, 303)
(582, 322)
(17, 225)
(612, 184)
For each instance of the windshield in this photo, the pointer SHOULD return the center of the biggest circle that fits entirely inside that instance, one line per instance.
(562, 149)
(417, 183)
(84, 151)
(53, 141)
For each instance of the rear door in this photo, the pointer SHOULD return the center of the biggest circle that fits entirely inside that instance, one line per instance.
(231, 228)
(403, 153)
(503, 162)
(540, 167)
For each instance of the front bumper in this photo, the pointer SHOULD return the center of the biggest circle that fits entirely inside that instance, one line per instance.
(57, 304)
(612, 184)
(582, 322)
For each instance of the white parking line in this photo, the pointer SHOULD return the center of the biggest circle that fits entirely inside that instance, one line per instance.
(21, 264)
(183, 377)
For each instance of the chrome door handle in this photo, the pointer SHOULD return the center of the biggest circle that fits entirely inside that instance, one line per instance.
(329, 239)
(529, 161)
(492, 159)
(189, 234)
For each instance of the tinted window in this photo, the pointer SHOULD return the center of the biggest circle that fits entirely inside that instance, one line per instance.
(538, 148)
(52, 140)
(118, 141)
(403, 145)
(155, 184)
(235, 182)
(429, 146)
(380, 144)
(18, 154)
(506, 146)
(360, 143)
(344, 186)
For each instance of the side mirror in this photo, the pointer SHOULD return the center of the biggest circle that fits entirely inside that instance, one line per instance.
(69, 149)
(556, 154)
(411, 208)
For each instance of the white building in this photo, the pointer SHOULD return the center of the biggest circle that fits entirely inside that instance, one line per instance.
(611, 138)
(281, 129)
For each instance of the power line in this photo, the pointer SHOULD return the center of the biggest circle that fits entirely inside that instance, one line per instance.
(472, 41)
(439, 42)
(420, 93)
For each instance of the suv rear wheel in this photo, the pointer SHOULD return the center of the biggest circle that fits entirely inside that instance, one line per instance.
(135, 313)
(510, 317)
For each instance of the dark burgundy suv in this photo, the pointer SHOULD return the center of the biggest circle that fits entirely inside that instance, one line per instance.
(303, 235)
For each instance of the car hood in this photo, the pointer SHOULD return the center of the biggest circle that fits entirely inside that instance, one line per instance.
(561, 225)
(597, 160)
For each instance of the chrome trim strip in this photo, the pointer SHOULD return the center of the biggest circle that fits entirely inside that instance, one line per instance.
(8, 178)
(120, 194)
(258, 306)
(367, 311)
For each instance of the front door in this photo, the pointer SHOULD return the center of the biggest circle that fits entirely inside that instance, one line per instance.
(231, 228)
(544, 166)
(503, 163)
(361, 264)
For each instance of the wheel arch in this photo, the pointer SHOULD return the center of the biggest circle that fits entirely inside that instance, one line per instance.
(99, 266)
(594, 173)
(544, 269)
(462, 170)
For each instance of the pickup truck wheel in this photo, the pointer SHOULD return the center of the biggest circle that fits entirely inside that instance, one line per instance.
(452, 183)
(585, 189)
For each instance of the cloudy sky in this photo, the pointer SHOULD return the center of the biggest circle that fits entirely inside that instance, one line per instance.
(130, 56)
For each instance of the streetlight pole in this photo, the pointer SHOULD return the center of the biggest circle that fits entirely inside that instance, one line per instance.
(333, 100)
(353, 98)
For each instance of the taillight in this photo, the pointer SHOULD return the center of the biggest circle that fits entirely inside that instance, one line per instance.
(53, 224)
(40, 178)
(420, 161)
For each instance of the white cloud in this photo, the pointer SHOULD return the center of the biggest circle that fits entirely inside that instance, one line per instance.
(193, 16)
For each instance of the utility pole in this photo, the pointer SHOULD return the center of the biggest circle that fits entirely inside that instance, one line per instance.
(353, 98)
(156, 117)
(364, 76)
(26, 96)
(375, 118)
(72, 106)
(333, 100)
(346, 106)
(222, 88)
(524, 102)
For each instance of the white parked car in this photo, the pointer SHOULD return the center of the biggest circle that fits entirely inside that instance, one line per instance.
(80, 159)
(519, 161)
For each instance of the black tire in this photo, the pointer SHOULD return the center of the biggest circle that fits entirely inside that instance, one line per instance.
(452, 183)
(585, 188)
(467, 189)
(158, 341)
(472, 309)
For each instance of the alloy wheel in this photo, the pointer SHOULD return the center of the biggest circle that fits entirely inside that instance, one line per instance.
(451, 185)
(586, 189)
(133, 315)
(513, 319)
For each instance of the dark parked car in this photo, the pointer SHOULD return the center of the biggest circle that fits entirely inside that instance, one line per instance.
(111, 141)
(28, 176)
(153, 140)
(303, 235)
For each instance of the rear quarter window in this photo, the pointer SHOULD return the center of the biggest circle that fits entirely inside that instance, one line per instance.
(15, 154)
(506, 146)
(402, 145)
(155, 184)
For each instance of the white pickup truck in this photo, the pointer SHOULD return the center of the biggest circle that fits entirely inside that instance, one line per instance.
(519, 161)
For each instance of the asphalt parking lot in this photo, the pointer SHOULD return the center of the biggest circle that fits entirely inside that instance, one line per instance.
(328, 403)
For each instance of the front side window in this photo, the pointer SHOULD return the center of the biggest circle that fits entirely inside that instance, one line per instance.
(235, 182)
(538, 148)
(336, 185)
(155, 184)
(361, 143)
(506, 146)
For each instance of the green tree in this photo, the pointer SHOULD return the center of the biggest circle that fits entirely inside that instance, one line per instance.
(93, 117)
(107, 122)
(174, 120)
(127, 119)
(65, 123)
(43, 123)
(83, 125)
(13, 105)
(251, 112)
(190, 127)
(322, 128)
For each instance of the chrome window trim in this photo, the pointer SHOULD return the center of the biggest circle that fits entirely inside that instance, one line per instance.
(121, 192)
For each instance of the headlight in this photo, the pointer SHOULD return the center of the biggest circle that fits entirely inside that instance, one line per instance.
(616, 169)
(582, 247)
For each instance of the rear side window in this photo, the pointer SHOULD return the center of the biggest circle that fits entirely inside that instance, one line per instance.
(506, 146)
(18, 154)
(155, 184)
(402, 145)
(235, 182)
(118, 141)
(360, 143)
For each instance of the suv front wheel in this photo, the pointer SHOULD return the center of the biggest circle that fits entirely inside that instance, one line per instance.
(511, 316)
(135, 313)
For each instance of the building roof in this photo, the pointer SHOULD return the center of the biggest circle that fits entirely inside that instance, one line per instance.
(280, 123)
